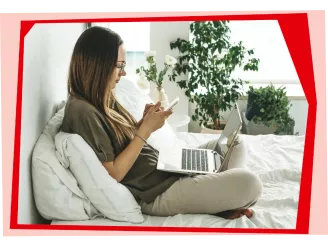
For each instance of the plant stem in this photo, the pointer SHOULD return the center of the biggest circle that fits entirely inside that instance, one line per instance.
(216, 120)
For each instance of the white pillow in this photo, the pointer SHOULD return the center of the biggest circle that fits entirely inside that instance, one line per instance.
(55, 190)
(133, 99)
(111, 198)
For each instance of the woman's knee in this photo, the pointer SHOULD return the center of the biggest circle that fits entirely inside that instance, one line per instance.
(251, 185)
(240, 143)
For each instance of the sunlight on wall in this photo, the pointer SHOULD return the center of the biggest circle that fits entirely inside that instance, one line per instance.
(266, 38)
(136, 38)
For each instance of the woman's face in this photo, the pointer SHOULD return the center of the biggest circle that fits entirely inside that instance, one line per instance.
(118, 72)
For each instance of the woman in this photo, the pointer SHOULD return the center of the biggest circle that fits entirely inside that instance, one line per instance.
(120, 142)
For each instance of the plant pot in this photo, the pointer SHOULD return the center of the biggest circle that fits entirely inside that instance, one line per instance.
(251, 128)
(213, 131)
(288, 130)
(252, 108)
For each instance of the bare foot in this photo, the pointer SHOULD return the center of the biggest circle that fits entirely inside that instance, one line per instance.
(235, 214)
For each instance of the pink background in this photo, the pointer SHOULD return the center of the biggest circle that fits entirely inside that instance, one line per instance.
(10, 32)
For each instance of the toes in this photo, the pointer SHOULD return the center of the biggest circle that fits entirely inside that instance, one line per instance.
(239, 213)
(235, 214)
(248, 213)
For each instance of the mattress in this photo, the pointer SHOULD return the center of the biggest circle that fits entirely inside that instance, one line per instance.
(277, 160)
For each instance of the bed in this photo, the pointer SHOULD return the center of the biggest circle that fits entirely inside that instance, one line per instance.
(278, 162)
(276, 159)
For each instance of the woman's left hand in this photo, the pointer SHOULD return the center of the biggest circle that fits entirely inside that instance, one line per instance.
(148, 106)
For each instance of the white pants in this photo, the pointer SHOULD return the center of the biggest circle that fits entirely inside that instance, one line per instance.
(233, 188)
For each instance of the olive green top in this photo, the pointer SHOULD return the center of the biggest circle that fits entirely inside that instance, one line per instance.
(143, 180)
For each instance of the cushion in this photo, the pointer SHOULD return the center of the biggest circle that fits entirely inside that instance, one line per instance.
(111, 198)
(55, 190)
(133, 99)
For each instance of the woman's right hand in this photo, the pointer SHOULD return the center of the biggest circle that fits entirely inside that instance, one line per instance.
(124, 161)
(154, 120)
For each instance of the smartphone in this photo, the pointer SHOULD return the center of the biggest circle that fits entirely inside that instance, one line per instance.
(172, 104)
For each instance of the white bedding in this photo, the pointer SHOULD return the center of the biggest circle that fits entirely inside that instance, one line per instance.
(278, 162)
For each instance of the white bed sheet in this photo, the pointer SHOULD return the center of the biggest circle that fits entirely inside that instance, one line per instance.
(278, 162)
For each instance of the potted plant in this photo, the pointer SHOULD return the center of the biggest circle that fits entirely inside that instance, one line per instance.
(270, 107)
(209, 59)
(150, 74)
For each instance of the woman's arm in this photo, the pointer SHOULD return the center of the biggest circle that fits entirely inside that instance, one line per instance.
(139, 123)
(124, 161)
(153, 120)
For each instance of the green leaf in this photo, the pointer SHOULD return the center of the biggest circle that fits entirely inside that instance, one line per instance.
(207, 61)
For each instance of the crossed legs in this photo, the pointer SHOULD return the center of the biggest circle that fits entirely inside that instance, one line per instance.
(228, 194)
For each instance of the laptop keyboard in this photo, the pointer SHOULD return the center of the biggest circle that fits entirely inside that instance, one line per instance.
(195, 160)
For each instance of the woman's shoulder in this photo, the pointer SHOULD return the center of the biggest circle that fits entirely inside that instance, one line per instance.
(75, 103)
(77, 107)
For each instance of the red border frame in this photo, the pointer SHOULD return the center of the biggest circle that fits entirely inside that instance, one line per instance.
(296, 33)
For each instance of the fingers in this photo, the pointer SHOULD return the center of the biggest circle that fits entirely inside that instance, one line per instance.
(146, 111)
(155, 107)
(160, 109)
(148, 106)
(166, 113)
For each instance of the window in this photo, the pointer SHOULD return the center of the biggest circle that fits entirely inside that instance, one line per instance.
(136, 38)
(276, 65)
(266, 38)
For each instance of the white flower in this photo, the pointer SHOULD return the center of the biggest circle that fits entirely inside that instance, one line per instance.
(143, 83)
(170, 60)
(151, 53)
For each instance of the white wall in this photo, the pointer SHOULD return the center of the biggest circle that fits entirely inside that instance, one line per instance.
(161, 34)
(48, 48)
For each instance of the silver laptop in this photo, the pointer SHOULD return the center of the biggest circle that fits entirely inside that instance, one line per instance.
(201, 161)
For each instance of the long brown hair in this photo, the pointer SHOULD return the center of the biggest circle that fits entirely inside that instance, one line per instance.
(92, 64)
